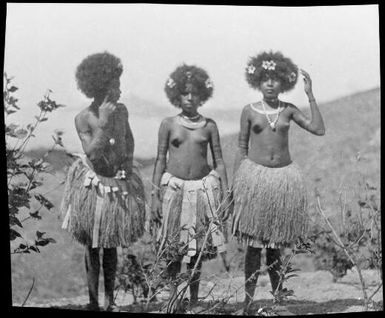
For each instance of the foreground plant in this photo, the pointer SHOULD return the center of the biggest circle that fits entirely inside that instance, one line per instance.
(23, 173)
(356, 243)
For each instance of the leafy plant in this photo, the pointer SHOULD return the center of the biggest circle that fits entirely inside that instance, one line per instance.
(23, 173)
(356, 243)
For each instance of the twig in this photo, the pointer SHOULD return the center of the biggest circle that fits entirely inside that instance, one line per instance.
(333, 230)
(351, 257)
(375, 292)
(29, 293)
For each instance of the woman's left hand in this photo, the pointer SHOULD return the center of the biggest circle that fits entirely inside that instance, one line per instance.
(307, 81)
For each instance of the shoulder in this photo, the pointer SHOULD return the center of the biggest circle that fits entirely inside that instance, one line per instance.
(167, 122)
(289, 107)
(120, 107)
(82, 117)
(210, 123)
(246, 110)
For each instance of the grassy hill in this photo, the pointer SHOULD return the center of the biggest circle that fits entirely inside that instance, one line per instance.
(349, 151)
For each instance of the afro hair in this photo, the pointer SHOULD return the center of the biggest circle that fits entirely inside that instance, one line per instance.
(95, 73)
(271, 64)
(183, 75)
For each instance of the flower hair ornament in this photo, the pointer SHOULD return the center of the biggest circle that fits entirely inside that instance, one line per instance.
(187, 78)
(274, 65)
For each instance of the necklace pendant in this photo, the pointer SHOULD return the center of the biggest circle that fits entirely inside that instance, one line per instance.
(272, 125)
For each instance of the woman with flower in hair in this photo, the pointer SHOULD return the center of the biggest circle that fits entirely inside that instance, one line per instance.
(269, 193)
(103, 199)
(187, 192)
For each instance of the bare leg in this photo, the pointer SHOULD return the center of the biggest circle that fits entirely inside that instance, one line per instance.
(274, 255)
(110, 260)
(194, 285)
(252, 264)
(92, 270)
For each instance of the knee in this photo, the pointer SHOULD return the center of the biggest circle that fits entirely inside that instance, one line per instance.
(253, 254)
(273, 255)
(110, 255)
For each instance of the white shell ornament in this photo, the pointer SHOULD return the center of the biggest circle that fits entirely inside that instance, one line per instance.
(112, 141)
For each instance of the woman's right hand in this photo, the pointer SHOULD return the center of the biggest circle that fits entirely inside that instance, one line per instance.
(105, 111)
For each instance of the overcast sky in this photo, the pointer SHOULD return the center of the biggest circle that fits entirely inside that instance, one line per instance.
(337, 45)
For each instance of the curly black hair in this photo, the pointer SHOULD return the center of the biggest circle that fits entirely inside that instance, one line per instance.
(271, 64)
(188, 74)
(95, 73)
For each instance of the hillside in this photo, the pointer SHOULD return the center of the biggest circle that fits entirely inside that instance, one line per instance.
(328, 163)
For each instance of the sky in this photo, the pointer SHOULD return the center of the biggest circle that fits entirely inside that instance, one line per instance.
(337, 45)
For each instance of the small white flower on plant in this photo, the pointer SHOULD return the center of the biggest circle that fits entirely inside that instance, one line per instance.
(170, 83)
(251, 69)
(269, 65)
(292, 77)
(208, 83)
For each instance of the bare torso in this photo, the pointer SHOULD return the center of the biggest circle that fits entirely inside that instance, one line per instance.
(267, 147)
(112, 155)
(187, 150)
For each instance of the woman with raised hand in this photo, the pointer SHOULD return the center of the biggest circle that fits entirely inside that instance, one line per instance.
(103, 200)
(187, 193)
(270, 203)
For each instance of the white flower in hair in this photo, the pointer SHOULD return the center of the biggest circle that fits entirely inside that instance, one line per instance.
(208, 83)
(251, 69)
(269, 65)
(292, 77)
(170, 83)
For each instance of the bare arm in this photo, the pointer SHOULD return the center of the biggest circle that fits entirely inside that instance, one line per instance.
(160, 167)
(315, 124)
(243, 139)
(219, 165)
(94, 136)
(93, 139)
(129, 140)
(216, 151)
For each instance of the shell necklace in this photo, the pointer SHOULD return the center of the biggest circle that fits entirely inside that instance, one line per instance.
(187, 122)
(272, 123)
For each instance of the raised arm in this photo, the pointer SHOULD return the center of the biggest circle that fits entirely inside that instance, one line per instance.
(94, 135)
(159, 168)
(243, 139)
(315, 124)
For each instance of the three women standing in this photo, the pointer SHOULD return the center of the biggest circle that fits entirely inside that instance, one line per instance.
(104, 201)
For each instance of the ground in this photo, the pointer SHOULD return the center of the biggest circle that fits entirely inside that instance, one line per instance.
(314, 293)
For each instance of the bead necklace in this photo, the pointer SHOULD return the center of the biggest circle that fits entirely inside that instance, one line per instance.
(191, 118)
(273, 123)
(185, 121)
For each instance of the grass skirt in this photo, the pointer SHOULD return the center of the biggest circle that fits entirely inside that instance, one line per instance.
(102, 212)
(270, 205)
(187, 209)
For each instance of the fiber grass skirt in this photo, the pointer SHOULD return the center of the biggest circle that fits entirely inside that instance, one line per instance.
(190, 210)
(100, 211)
(270, 205)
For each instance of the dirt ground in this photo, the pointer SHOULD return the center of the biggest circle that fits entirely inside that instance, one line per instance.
(314, 293)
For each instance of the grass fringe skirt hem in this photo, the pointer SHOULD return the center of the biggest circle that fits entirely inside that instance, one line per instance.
(122, 212)
(270, 204)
